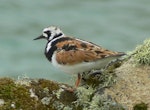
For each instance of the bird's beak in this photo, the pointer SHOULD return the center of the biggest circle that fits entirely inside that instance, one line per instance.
(40, 37)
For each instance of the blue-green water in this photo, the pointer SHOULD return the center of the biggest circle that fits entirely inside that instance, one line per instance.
(115, 24)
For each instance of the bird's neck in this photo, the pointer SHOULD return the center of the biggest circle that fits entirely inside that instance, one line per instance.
(51, 46)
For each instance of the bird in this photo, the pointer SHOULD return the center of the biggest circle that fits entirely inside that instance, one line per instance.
(73, 55)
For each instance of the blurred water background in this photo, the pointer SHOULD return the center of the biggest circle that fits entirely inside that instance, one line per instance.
(118, 25)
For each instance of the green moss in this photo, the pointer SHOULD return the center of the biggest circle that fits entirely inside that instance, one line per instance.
(141, 106)
(113, 65)
(15, 97)
(91, 79)
(141, 55)
(67, 97)
(43, 87)
(6, 87)
(44, 94)
(18, 96)
(102, 78)
(99, 79)
(43, 83)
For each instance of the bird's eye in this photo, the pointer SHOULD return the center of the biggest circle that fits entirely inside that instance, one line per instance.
(48, 33)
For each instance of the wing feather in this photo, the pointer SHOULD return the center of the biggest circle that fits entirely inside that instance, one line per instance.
(76, 51)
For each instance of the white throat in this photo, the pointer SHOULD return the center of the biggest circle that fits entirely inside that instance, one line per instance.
(49, 43)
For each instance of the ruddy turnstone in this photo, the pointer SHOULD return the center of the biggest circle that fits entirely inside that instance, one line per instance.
(73, 55)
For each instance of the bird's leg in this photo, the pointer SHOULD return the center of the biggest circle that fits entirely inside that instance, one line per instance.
(76, 84)
(78, 80)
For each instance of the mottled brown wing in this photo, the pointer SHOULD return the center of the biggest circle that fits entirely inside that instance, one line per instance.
(75, 51)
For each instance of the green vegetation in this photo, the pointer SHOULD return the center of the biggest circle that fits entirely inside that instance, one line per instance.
(141, 55)
(141, 106)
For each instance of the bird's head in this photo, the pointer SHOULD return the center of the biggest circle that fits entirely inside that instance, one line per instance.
(50, 33)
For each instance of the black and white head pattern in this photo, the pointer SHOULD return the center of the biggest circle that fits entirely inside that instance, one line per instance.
(52, 32)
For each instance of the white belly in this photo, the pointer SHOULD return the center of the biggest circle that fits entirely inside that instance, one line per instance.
(82, 67)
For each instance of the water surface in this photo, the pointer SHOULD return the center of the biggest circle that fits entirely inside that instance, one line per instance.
(118, 25)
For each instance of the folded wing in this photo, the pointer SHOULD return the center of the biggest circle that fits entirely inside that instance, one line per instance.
(75, 51)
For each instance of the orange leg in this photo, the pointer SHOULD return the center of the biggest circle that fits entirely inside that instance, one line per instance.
(78, 80)
(76, 84)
